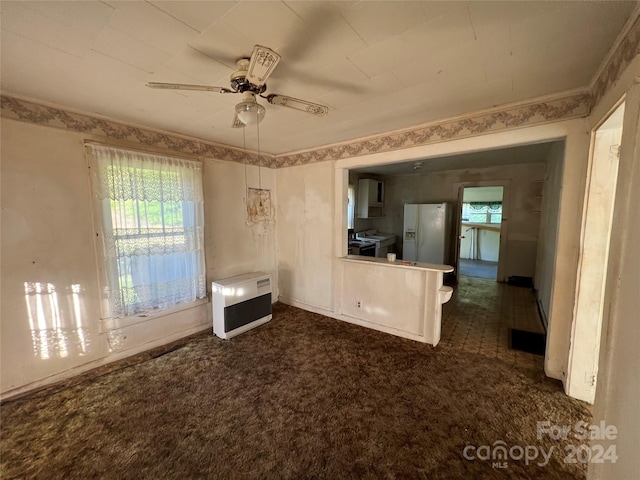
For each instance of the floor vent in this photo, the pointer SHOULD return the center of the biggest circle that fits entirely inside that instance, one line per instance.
(518, 281)
(530, 342)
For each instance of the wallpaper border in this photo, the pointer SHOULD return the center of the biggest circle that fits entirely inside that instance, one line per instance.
(572, 106)
(564, 108)
(623, 55)
(31, 112)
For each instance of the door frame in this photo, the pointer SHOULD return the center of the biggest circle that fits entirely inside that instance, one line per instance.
(586, 331)
(504, 226)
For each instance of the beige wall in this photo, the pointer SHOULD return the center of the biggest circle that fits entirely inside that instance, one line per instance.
(545, 260)
(47, 237)
(233, 245)
(54, 330)
(305, 235)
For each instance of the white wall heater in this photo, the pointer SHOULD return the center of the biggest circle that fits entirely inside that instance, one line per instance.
(241, 303)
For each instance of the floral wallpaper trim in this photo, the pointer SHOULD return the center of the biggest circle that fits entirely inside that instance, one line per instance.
(26, 111)
(577, 105)
(574, 106)
(619, 61)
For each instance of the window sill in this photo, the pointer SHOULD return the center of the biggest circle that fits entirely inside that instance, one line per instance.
(117, 323)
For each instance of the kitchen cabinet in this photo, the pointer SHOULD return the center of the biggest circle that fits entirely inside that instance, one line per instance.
(370, 198)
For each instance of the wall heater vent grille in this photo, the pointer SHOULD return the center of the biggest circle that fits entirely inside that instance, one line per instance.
(241, 303)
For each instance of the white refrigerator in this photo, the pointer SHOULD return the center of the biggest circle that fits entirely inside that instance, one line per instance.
(427, 233)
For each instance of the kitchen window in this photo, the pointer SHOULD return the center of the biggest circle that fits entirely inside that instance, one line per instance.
(482, 212)
(151, 229)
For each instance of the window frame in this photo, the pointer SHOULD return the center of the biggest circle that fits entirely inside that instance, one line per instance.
(102, 221)
(489, 214)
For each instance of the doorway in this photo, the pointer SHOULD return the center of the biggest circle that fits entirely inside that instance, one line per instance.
(602, 179)
(480, 231)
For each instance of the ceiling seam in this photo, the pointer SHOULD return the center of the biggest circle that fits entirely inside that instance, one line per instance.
(173, 17)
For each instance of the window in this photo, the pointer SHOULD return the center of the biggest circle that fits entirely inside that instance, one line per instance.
(351, 207)
(151, 212)
(482, 212)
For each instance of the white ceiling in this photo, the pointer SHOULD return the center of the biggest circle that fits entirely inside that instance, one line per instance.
(378, 66)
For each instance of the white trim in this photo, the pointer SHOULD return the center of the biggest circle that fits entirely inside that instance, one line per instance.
(116, 323)
(352, 320)
(305, 306)
(378, 327)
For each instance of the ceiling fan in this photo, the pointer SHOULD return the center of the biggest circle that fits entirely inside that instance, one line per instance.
(250, 80)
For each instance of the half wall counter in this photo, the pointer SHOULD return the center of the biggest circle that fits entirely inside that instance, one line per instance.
(401, 298)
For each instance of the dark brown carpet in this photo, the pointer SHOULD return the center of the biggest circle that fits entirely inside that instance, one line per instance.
(304, 396)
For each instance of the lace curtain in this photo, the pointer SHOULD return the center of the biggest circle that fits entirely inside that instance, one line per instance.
(151, 207)
(486, 206)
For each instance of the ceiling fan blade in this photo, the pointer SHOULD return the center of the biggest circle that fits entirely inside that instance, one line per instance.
(237, 123)
(184, 86)
(298, 104)
(263, 61)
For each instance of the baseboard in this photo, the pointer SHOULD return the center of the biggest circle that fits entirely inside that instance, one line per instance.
(305, 306)
(352, 320)
(379, 328)
(101, 362)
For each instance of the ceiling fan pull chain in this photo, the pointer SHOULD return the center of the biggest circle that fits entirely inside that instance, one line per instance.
(259, 161)
(244, 161)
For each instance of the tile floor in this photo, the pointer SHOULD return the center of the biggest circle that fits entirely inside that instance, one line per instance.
(478, 268)
(478, 317)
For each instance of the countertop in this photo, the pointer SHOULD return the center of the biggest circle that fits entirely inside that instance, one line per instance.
(375, 237)
(399, 263)
(493, 227)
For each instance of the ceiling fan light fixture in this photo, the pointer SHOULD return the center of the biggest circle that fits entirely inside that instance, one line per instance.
(250, 80)
(250, 113)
